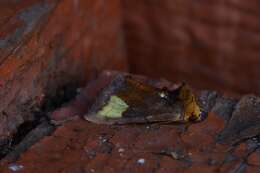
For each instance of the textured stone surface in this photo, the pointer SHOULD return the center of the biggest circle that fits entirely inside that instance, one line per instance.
(254, 158)
(244, 122)
(81, 146)
(48, 47)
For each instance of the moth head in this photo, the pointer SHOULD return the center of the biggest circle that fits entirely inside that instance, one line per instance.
(163, 94)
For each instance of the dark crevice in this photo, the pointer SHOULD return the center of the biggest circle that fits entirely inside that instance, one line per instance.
(8, 145)
(5, 146)
(62, 96)
(22, 130)
(42, 130)
(31, 131)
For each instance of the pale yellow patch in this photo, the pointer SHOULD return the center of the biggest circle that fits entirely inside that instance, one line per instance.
(114, 108)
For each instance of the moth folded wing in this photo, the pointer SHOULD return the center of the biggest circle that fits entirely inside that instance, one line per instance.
(95, 118)
(115, 121)
(135, 102)
(166, 117)
(156, 114)
(109, 113)
(116, 111)
(173, 117)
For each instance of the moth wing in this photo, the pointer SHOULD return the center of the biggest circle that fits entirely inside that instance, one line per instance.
(167, 117)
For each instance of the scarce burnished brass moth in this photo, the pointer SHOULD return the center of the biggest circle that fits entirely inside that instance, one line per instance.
(127, 100)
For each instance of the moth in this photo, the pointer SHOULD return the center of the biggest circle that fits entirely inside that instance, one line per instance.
(127, 100)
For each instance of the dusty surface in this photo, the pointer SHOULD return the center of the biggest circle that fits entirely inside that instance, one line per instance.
(80, 146)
